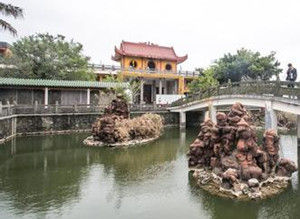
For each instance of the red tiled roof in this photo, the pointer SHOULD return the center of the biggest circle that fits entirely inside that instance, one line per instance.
(147, 50)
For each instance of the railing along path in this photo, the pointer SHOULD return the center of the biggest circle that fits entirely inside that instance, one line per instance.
(266, 88)
(23, 109)
(134, 70)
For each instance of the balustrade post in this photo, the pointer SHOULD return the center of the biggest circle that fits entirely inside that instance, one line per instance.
(1, 108)
(277, 88)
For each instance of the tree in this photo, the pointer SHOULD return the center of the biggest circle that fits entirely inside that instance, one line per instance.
(246, 65)
(131, 92)
(44, 56)
(9, 10)
(205, 80)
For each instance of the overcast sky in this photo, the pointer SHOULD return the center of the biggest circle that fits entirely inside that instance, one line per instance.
(203, 29)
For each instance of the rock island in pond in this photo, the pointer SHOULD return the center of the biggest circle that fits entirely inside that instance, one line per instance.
(227, 161)
(115, 128)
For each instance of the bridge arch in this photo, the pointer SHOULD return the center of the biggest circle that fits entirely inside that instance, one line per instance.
(272, 96)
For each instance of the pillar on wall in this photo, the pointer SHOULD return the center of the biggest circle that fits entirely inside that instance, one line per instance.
(0, 108)
(88, 96)
(298, 130)
(142, 92)
(182, 119)
(270, 116)
(46, 97)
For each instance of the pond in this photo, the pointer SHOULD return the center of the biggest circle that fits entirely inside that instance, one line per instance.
(57, 177)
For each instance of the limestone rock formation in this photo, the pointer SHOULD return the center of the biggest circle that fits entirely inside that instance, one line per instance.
(118, 107)
(116, 127)
(229, 149)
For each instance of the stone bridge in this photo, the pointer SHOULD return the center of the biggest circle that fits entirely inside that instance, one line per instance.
(272, 96)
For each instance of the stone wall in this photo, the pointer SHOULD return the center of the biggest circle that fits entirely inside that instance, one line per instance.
(33, 124)
(56, 123)
(39, 124)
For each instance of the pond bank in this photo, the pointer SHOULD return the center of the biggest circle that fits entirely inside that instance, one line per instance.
(41, 124)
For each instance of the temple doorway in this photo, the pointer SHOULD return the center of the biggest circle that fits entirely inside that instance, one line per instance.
(147, 93)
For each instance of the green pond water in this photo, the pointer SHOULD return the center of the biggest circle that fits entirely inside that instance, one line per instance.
(58, 177)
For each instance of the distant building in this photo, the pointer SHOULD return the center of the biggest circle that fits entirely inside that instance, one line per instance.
(4, 49)
(154, 65)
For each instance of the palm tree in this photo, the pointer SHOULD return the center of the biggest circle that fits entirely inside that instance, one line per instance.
(10, 10)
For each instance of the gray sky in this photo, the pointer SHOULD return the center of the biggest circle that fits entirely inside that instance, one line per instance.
(204, 29)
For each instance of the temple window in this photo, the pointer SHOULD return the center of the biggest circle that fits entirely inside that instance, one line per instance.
(168, 67)
(151, 65)
(133, 64)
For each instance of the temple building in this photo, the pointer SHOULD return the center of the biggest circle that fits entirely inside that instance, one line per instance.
(155, 66)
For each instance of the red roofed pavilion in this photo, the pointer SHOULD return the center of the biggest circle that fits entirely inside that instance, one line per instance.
(147, 50)
(155, 66)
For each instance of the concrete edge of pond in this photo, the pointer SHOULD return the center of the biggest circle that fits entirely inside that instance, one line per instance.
(61, 132)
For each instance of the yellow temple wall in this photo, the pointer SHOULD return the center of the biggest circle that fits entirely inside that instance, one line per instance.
(142, 63)
(126, 62)
(160, 65)
(164, 63)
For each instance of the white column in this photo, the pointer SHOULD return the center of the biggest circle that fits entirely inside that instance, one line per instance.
(176, 87)
(298, 129)
(206, 115)
(0, 107)
(182, 119)
(160, 86)
(165, 86)
(46, 97)
(142, 92)
(88, 96)
(212, 113)
(270, 117)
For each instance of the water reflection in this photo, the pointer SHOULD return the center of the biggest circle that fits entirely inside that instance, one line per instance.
(39, 173)
(56, 176)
